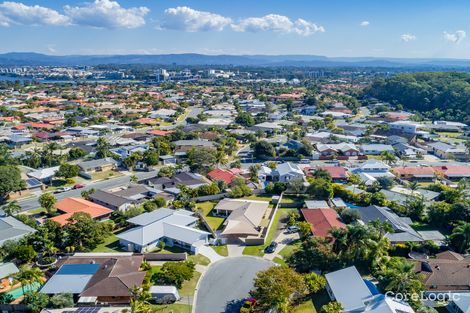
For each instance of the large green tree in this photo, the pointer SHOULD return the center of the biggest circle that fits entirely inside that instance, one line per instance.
(278, 287)
(10, 181)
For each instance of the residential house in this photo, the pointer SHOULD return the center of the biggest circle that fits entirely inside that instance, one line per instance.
(322, 221)
(44, 175)
(123, 198)
(344, 149)
(376, 149)
(219, 174)
(183, 146)
(12, 229)
(447, 272)
(447, 151)
(97, 279)
(126, 151)
(174, 227)
(243, 216)
(356, 295)
(283, 172)
(415, 173)
(68, 206)
(100, 165)
(337, 173)
(191, 180)
(402, 231)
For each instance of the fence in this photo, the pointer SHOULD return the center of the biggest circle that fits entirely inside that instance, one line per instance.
(165, 256)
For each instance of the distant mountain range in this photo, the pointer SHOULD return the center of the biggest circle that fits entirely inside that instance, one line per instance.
(192, 59)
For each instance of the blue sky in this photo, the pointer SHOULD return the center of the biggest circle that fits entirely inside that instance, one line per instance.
(381, 28)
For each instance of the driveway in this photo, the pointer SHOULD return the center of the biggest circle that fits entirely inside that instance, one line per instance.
(226, 283)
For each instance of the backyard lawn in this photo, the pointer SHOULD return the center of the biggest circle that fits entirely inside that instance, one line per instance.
(110, 244)
(214, 222)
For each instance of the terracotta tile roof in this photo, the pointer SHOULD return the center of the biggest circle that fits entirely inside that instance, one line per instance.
(158, 132)
(221, 175)
(453, 170)
(322, 221)
(414, 170)
(69, 206)
(336, 172)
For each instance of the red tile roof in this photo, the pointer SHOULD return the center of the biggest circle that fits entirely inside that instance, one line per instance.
(414, 170)
(158, 132)
(69, 206)
(221, 175)
(336, 172)
(322, 221)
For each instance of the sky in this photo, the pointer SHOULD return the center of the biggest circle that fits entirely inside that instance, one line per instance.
(334, 28)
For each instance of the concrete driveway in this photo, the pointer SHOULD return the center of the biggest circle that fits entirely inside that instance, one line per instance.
(226, 283)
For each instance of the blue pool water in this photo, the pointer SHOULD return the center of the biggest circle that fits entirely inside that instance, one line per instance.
(18, 292)
(352, 206)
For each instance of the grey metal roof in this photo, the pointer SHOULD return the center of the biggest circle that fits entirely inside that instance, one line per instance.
(12, 229)
(348, 288)
(66, 284)
(96, 163)
(163, 223)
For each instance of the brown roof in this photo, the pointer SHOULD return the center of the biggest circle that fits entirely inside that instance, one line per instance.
(116, 275)
(448, 272)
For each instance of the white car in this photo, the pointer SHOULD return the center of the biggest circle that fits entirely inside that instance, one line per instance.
(63, 189)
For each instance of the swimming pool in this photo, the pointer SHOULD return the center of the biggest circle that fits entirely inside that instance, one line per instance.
(352, 206)
(18, 292)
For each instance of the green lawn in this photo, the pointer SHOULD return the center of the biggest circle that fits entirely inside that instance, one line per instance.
(279, 261)
(293, 199)
(261, 197)
(288, 250)
(189, 286)
(221, 250)
(214, 222)
(110, 244)
(305, 307)
(199, 259)
(105, 175)
(173, 308)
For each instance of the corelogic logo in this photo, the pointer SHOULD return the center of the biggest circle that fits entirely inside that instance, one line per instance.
(442, 296)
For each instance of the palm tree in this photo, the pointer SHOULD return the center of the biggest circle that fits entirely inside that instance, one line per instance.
(388, 157)
(460, 237)
(12, 208)
(29, 275)
(413, 185)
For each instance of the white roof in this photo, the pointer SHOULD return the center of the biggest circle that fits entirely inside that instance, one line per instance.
(43, 173)
(348, 288)
(163, 289)
(163, 223)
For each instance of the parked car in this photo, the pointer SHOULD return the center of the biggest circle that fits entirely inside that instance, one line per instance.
(271, 248)
(62, 189)
(78, 186)
(292, 229)
(248, 305)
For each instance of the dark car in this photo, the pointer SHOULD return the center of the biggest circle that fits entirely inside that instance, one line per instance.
(271, 248)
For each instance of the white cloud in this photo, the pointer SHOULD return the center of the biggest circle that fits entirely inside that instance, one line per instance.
(408, 37)
(277, 23)
(187, 19)
(456, 37)
(106, 14)
(364, 23)
(16, 13)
